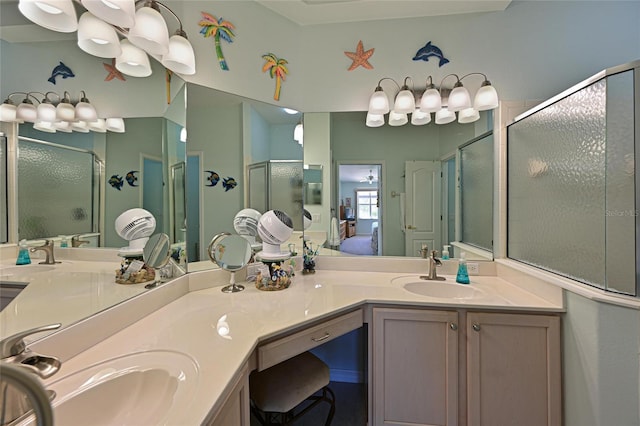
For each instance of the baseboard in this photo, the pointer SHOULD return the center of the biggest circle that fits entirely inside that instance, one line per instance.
(346, 376)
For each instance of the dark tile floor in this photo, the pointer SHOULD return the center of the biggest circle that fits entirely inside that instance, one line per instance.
(351, 407)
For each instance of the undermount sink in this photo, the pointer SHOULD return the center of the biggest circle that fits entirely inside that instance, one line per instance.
(135, 389)
(447, 289)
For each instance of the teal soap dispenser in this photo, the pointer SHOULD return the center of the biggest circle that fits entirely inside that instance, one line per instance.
(463, 275)
(23, 253)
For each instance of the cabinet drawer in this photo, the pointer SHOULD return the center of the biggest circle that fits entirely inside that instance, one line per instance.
(279, 350)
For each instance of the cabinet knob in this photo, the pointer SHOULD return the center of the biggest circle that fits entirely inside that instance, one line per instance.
(453, 326)
(411, 227)
(476, 327)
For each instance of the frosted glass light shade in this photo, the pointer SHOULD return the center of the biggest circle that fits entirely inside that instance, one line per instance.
(116, 12)
(180, 57)
(419, 118)
(80, 126)
(8, 113)
(445, 116)
(150, 31)
(56, 15)
(97, 38)
(397, 119)
(486, 98)
(298, 133)
(468, 115)
(46, 112)
(115, 124)
(65, 112)
(62, 126)
(133, 61)
(99, 126)
(86, 112)
(431, 101)
(378, 103)
(26, 111)
(459, 99)
(374, 120)
(405, 102)
(44, 126)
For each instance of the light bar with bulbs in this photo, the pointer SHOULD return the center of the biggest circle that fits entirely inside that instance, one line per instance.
(444, 102)
(60, 114)
(140, 23)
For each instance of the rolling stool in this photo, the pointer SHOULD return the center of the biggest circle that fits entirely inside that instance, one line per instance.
(278, 390)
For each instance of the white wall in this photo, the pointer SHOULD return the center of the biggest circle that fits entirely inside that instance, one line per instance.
(532, 50)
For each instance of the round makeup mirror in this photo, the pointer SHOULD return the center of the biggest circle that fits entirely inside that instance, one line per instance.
(156, 254)
(231, 253)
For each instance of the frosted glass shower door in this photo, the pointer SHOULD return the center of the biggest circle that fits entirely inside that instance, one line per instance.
(56, 190)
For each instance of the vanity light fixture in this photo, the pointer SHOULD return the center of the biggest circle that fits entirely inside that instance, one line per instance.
(139, 22)
(56, 15)
(97, 37)
(115, 124)
(298, 134)
(80, 116)
(443, 101)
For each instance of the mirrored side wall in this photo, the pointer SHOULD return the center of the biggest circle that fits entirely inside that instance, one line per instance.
(78, 183)
(240, 154)
(341, 141)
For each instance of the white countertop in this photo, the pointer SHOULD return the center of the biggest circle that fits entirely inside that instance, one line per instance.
(189, 323)
(62, 293)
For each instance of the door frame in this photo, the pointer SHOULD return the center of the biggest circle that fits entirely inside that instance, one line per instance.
(335, 191)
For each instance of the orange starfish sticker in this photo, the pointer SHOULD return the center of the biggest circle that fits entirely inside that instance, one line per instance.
(360, 57)
(113, 72)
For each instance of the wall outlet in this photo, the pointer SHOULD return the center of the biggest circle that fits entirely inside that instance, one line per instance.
(473, 268)
(315, 217)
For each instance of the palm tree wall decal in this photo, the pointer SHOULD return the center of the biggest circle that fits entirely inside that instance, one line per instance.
(277, 68)
(218, 29)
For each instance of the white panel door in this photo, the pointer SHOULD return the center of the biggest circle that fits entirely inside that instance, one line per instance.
(422, 210)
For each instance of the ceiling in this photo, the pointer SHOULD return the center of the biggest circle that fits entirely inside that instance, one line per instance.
(15, 28)
(359, 172)
(313, 12)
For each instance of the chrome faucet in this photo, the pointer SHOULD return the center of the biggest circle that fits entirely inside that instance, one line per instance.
(434, 262)
(47, 247)
(77, 242)
(18, 390)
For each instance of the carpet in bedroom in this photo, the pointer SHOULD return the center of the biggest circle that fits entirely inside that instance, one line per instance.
(359, 245)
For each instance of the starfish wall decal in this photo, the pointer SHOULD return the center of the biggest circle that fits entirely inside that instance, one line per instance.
(360, 57)
(113, 72)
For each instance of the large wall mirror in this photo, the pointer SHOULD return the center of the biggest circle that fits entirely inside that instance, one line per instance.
(79, 183)
(396, 188)
(67, 184)
(240, 154)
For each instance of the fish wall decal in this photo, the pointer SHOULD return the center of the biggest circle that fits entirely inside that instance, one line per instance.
(430, 50)
(132, 178)
(229, 183)
(116, 182)
(60, 70)
(213, 178)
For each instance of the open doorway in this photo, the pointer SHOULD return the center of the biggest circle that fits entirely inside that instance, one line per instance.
(359, 204)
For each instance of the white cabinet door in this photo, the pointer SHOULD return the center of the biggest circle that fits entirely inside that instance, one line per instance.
(415, 367)
(513, 369)
(235, 410)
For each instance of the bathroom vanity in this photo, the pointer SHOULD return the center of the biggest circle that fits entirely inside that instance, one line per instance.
(438, 353)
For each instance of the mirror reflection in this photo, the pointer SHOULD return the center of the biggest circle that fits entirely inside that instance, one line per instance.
(394, 189)
(62, 190)
(231, 253)
(78, 183)
(240, 154)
